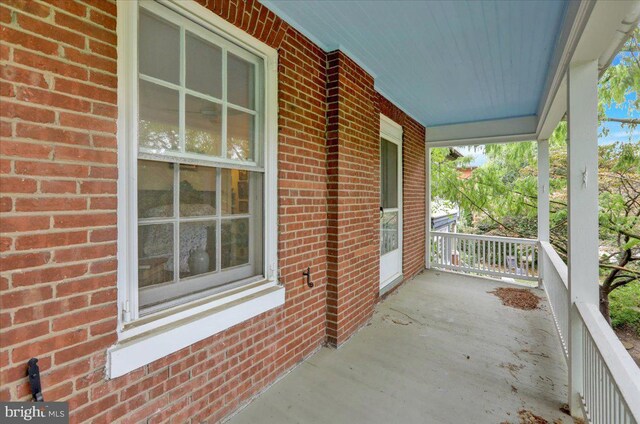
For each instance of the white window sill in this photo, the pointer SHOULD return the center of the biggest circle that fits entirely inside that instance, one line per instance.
(151, 339)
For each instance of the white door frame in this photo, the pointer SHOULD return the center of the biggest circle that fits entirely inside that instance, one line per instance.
(392, 261)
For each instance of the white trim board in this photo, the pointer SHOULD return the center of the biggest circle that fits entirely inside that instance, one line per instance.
(131, 354)
(483, 132)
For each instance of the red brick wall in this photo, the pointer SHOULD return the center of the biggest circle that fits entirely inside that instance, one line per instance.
(58, 180)
(413, 188)
(353, 163)
(58, 203)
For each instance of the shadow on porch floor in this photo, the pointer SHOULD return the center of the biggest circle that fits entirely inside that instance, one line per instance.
(439, 350)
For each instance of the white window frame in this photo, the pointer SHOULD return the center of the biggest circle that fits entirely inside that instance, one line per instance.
(141, 340)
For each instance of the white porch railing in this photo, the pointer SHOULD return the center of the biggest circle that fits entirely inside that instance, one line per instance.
(610, 389)
(490, 255)
(556, 286)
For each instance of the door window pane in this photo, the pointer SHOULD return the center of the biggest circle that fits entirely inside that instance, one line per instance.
(197, 248)
(389, 227)
(235, 242)
(158, 48)
(240, 133)
(155, 189)
(204, 66)
(235, 191)
(197, 190)
(158, 126)
(389, 174)
(155, 254)
(203, 132)
(240, 81)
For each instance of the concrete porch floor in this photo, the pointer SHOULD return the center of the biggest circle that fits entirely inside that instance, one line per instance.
(439, 350)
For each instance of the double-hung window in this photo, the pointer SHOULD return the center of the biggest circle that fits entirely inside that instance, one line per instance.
(199, 158)
(198, 143)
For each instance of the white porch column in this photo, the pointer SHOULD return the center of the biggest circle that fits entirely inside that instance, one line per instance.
(582, 116)
(543, 203)
(427, 201)
(543, 190)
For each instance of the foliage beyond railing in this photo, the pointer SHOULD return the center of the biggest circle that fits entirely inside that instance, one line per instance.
(497, 256)
(610, 389)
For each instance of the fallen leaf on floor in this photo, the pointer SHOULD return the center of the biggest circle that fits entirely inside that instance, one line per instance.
(517, 298)
(396, 320)
(541, 354)
(528, 417)
(565, 409)
(512, 368)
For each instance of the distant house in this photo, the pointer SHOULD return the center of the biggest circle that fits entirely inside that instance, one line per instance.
(465, 171)
(444, 216)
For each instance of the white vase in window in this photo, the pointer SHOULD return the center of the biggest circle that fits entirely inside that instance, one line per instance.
(198, 262)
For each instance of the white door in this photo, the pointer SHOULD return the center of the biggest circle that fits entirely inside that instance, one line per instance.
(390, 203)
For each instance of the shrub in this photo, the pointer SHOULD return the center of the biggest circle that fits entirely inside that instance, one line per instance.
(624, 304)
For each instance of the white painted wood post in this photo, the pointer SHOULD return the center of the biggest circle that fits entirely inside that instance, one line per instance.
(543, 202)
(543, 190)
(427, 206)
(582, 117)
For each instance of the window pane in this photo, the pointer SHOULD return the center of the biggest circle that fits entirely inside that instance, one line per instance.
(235, 191)
(235, 242)
(389, 174)
(158, 125)
(155, 189)
(389, 232)
(158, 48)
(197, 248)
(240, 81)
(203, 133)
(197, 190)
(240, 133)
(204, 66)
(155, 254)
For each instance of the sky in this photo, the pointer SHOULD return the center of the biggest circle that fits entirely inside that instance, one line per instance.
(616, 131)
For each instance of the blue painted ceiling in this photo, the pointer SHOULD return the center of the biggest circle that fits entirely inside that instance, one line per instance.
(443, 62)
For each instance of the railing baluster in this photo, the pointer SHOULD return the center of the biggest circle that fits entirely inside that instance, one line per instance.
(472, 252)
(474, 247)
(503, 248)
(493, 256)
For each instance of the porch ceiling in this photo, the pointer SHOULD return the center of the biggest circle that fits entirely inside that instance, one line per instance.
(473, 72)
(443, 62)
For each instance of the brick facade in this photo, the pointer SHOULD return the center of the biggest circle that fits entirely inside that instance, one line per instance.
(353, 166)
(58, 171)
